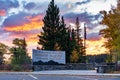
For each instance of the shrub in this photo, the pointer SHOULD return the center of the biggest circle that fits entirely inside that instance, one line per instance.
(16, 68)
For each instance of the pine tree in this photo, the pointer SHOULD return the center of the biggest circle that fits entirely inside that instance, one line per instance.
(63, 35)
(78, 31)
(49, 37)
(79, 48)
(71, 44)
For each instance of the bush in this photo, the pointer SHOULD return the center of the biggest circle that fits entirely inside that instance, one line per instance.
(16, 68)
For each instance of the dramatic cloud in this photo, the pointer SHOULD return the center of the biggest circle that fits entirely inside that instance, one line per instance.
(82, 17)
(94, 6)
(35, 7)
(7, 4)
(23, 22)
(83, 2)
(5, 7)
(93, 36)
(30, 6)
(15, 20)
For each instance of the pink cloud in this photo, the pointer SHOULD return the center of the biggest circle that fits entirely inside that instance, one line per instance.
(2, 12)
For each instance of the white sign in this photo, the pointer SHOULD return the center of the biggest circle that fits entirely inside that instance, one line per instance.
(45, 56)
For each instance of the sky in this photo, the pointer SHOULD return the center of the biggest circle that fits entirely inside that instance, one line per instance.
(23, 19)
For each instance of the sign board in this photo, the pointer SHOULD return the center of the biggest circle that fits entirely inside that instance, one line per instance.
(48, 57)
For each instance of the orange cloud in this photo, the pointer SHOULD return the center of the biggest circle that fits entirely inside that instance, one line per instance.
(95, 47)
(36, 18)
(2, 12)
(26, 27)
(32, 39)
(34, 24)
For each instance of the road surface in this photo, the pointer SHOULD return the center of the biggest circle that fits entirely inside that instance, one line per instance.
(53, 77)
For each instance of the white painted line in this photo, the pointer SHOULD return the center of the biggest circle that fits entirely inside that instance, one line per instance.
(33, 76)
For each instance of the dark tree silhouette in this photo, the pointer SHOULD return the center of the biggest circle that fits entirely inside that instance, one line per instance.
(49, 37)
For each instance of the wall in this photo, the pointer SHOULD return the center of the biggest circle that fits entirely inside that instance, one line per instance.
(74, 66)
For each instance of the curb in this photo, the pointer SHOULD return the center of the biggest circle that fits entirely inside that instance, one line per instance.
(63, 73)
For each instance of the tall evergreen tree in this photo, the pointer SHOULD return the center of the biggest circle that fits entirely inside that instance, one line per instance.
(78, 52)
(78, 37)
(79, 42)
(64, 41)
(71, 42)
(63, 35)
(49, 37)
(78, 31)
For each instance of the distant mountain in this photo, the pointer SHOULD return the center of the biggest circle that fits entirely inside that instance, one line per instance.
(51, 62)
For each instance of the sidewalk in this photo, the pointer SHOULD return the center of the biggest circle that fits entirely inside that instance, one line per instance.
(65, 72)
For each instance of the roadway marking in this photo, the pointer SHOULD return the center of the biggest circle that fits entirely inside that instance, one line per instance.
(33, 76)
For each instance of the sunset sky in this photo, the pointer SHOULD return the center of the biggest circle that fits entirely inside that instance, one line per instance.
(23, 19)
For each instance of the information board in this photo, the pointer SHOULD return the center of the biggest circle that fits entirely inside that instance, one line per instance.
(48, 57)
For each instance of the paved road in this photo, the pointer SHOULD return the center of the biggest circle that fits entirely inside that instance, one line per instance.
(53, 77)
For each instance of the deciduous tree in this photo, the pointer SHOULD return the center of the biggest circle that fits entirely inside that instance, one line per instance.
(20, 56)
(3, 50)
(112, 32)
